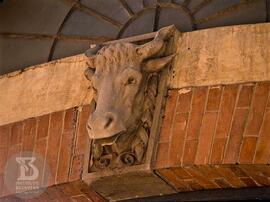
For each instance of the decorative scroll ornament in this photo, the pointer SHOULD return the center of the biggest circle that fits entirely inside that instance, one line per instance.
(125, 79)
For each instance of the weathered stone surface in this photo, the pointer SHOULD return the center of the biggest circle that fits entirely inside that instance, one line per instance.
(43, 89)
(222, 56)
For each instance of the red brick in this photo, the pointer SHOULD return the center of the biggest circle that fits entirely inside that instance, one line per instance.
(226, 110)
(178, 135)
(190, 152)
(256, 175)
(40, 151)
(70, 120)
(257, 109)
(236, 135)
(43, 197)
(4, 135)
(90, 193)
(184, 100)
(205, 137)
(42, 126)
(245, 96)
(214, 98)
(76, 168)
(1, 184)
(14, 149)
(55, 131)
(208, 170)
(29, 135)
(218, 150)
(162, 155)
(56, 193)
(237, 171)
(16, 133)
(248, 150)
(168, 117)
(181, 173)
(81, 198)
(264, 169)
(3, 159)
(81, 141)
(268, 104)
(71, 189)
(65, 154)
(200, 178)
(227, 174)
(196, 113)
(82, 135)
(193, 185)
(222, 183)
(263, 151)
(172, 179)
(67, 145)
(248, 181)
(262, 155)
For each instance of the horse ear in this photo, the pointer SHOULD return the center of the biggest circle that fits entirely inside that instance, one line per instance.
(89, 72)
(155, 65)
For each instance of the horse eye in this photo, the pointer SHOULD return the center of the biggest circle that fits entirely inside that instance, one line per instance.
(131, 81)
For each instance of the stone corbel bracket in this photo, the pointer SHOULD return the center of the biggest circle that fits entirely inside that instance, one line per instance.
(131, 85)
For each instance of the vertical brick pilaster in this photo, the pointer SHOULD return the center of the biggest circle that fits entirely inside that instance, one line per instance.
(168, 116)
(67, 145)
(80, 143)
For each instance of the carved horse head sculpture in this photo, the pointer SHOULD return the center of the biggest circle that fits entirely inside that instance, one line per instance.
(117, 75)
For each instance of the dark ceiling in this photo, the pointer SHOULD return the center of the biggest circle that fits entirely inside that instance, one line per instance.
(37, 31)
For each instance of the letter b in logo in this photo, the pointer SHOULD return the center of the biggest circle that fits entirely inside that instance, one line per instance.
(28, 171)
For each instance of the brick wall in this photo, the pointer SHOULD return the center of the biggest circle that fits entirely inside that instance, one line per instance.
(200, 177)
(211, 137)
(59, 138)
(68, 192)
(216, 125)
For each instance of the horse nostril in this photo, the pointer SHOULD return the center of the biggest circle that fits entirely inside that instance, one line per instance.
(109, 121)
